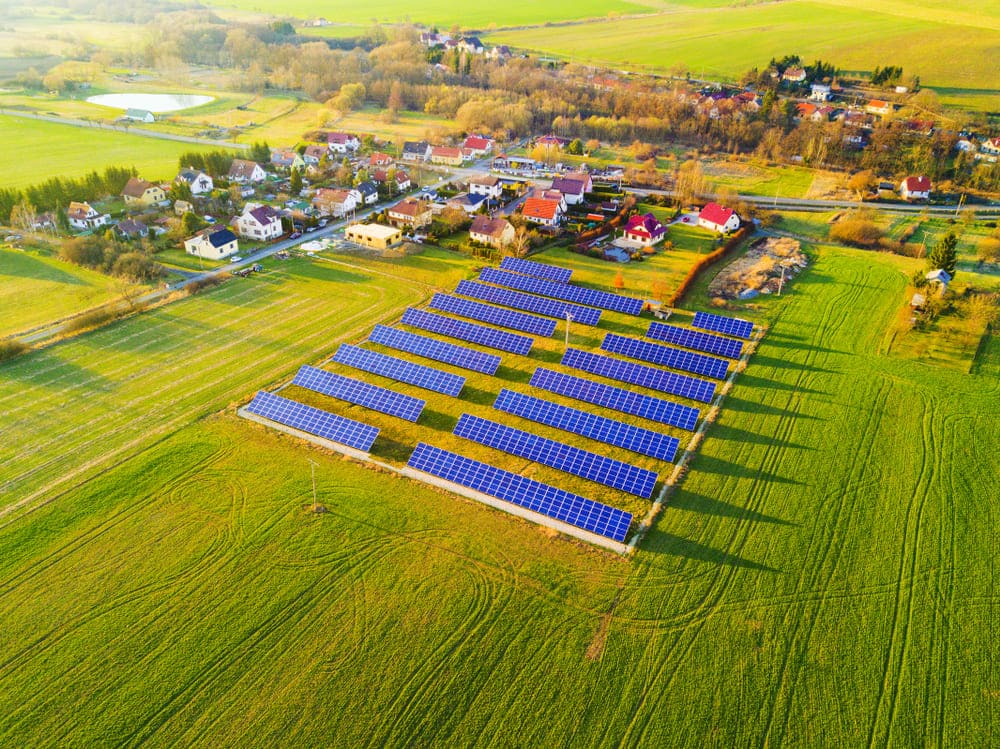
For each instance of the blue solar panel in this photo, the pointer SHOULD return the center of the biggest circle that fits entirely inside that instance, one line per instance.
(467, 331)
(720, 324)
(640, 374)
(432, 348)
(617, 433)
(313, 420)
(523, 492)
(607, 471)
(537, 304)
(364, 394)
(713, 344)
(627, 304)
(504, 318)
(667, 356)
(619, 399)
(400, 370)
(541, 270)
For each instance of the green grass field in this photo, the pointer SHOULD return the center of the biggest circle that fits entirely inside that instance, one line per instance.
(56, 150)
(822, 578)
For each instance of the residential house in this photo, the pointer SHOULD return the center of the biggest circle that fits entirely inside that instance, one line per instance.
(805, 110)
(645, 230)
(542, 211)
(472, 45)
(182, 206)
(419, 150)
(446, 155)
(141, 192)
(496, 232)
(368, 191)
(214, 243)
(794, 75)
(131, 228)
(823, 114)
(989, 149)
(410, 212)
(915, 188)
(376, 236)
(940, 278)
(261, 223)
(552, 140)
(313, 154)
(335, 203)
(246, 172)
(82, 216)
(501, 52)
(478, 145)
(879, 107)
(718, 219)
(342, 142)
(381, 177)
(430, 39)
(572, 189)
(139, 115)
(379, 159)
(287, 158)
(820, 92)
(199, 182)
(44, 222)
(466, 202)
(486, 184)
(551, 194)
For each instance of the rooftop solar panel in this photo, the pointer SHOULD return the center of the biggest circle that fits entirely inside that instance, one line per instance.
(467, 331)
(400, 370)
(640, 374)
(721, 324)
(541, 270)
(617, 433)
(313, 420)
(499, 316)
(603, 299)
(364, 394)
(529, 302)
(432, 348)
(666, 356)
(693, 339)
(607, 471)
(533, 495)
(619, 399)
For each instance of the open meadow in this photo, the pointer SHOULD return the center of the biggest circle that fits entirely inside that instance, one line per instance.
(823, 577)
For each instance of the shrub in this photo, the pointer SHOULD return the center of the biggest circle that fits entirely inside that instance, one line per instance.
(857, 231)
(88, 320)
(11, 348)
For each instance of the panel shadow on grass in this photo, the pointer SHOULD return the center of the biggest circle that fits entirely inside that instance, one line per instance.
(760, 382)
(438, 420)
(660, 542)
(760, 360)
(510, 374)
(692, 502)
(743, 405)
(709, 464)
(726, 432)
(478, 396)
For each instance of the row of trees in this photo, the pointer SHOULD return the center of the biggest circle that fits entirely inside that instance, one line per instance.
(56, 193)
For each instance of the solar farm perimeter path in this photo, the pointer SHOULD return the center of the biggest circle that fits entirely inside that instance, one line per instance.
(823, 577)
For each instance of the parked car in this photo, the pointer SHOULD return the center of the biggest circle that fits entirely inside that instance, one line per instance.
(295, 235)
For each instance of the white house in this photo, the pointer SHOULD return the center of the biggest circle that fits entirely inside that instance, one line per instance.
(486, 184)
(718, 219)
(544, 211)
(83, 216)
(213, 245)
(368, 191)
(342, 142)
(262, 224)
(199, 182)
(573, 189)
(915, 188)
(820, 92)
(335, 203)
(246, 172)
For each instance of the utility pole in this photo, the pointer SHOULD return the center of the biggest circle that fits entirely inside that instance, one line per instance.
(781, 283)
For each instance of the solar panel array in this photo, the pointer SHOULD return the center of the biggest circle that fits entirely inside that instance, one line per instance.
(504, 318)
(617, 433)
(640, 374)
(467, 331)
(713, 344)
(607, 471)
(432, 348)
(603, 299)
(541, 270)
(313, 420)
(523, 492)
(721, 324)
(361, 393)
(667, 356)
(619, 399)
(537, 304)
(400, 370)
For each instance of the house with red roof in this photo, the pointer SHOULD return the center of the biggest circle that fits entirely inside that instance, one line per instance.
(879, 107)
(379, 159)
(542, 211)
(478, 145)
(449, 155)
(342, 142)
(410, 212)
(496, 232)
(915, 188)
(645, 230)
(794, 75)
(718, 219)
(552, 140)
(335, 202)
(261, 223)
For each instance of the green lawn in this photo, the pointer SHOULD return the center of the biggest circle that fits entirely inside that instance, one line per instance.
(55, 150)
(823, 578)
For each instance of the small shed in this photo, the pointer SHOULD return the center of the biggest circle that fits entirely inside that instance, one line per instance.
(940, 277)
(918, 301)
(139, 115)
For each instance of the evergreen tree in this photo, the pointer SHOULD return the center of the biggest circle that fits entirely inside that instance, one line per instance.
(944, 255)
(295, 182)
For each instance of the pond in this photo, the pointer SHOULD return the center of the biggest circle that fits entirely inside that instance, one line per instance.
(153, 102)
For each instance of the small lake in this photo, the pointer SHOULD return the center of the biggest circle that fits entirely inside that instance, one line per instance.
(153, 102)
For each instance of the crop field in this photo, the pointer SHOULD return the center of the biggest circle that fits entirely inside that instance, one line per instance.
(57, 150)
(822, 577)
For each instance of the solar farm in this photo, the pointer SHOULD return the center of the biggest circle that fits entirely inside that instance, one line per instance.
(583, 407)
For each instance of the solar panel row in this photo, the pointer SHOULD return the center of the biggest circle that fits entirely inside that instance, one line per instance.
(467, 331)
(361, 393)
(721, 324)
(529, 302)
(432, 348)
(713, 344)
(400, 370)
(617, 433)
(640, 374)
(604, 300)
(523, 492)
(504, 318)
(541, 270)
(666, 356)
(619, 399)
(607, 471)
(313, 420)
